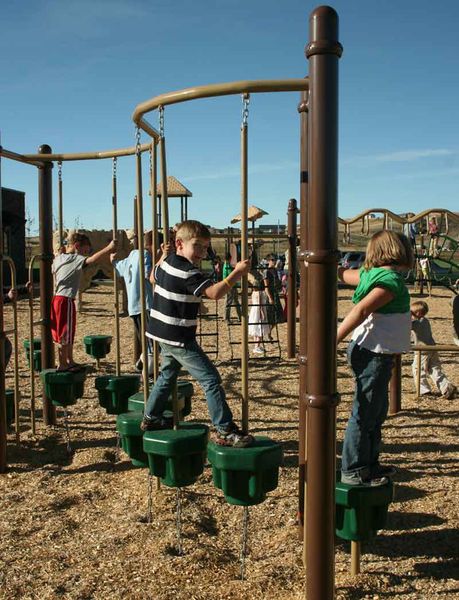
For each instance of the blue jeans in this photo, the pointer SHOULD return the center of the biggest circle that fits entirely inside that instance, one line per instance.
(362, 440)
(197, 363)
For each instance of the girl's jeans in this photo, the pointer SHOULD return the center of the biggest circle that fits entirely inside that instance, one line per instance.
(362, 440)
(196, 362)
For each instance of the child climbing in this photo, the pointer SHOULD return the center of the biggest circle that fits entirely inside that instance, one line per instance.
(177, 296)
(67, 268)
(380, 322)
(430, 363)
(259, 328)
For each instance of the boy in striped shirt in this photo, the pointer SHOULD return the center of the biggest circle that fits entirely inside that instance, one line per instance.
(179, 285)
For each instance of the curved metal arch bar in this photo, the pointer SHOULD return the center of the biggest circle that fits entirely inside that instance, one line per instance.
(398, 218)
(86, 155)
(216, 89)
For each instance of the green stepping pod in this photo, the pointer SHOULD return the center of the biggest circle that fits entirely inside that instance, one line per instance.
(177, 456)
(185, 392)
(63, 388)
(128, 426)
(245, 475)
(97, 346)
(114, 391)
(10, 412)
(36, 353)
(361, 511)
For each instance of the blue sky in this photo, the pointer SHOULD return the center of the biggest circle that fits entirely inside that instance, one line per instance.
(72, 73)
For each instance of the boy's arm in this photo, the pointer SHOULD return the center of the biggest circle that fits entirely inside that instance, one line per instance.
(163, 253)
(90, 260)
(220, 289)
(375, 299)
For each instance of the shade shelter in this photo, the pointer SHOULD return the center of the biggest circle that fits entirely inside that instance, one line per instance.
(253, 214)
(176, 189)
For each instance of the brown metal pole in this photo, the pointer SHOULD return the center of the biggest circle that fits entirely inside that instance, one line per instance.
(323, 52)
(291, 286)
(45, 205)
(395, 389)
(302, 356)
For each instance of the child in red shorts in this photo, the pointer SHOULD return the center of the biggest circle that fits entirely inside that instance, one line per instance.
(67, 268)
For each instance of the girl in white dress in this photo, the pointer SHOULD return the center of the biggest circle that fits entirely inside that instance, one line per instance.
(259, 328)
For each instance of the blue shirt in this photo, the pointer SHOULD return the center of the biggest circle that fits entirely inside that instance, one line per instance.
(128, 269)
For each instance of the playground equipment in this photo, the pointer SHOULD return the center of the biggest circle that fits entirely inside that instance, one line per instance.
(14, 331)
(98, 346)
(360, 513)
(64, 388)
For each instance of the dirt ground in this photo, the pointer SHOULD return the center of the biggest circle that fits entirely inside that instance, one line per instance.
(75, 526)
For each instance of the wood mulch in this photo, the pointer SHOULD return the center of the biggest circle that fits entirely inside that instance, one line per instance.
(75, 526)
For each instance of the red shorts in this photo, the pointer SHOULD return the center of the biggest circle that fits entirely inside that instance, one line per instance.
(63, 320)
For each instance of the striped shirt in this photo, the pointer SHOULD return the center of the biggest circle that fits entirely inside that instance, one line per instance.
(177, 296)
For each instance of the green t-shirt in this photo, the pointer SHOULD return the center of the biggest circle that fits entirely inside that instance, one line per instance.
(388, 279)
(227, 268)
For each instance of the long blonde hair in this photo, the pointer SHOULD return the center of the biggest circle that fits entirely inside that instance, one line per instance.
(388, 248)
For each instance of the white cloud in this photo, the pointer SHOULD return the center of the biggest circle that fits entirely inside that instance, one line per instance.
(399, 156)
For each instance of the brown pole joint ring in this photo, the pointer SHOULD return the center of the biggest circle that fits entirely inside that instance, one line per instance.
(319, 256)
(322, 400)
(323, 47)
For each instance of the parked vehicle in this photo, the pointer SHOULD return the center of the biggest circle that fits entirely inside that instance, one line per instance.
(353, 260)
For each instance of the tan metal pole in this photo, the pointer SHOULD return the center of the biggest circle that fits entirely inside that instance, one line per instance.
(355, 557)
(115, 277)
(60, 204)
(291, 287)
(154, 228)
(323, 52)
(418, 374)
(244, 280)
(15, 348)
(143, 308)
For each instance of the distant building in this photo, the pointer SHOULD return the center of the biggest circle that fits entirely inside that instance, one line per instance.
(13, 216)
(260, 229)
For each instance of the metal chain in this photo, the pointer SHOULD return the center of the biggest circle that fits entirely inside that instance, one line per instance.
(67, 432)
(137, 140)
(245, 533)
(245, 109)
(161, 121)
(150, 499)
(115, 166)
(178, 522)
(59, 170)
(117, 447)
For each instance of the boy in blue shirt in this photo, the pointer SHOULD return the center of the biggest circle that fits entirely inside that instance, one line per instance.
(129, 269)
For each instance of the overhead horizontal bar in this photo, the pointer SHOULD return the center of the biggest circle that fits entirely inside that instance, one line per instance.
(218, 89)
(87, 155)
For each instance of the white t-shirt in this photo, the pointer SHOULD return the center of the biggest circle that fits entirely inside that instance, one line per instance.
(67, 274)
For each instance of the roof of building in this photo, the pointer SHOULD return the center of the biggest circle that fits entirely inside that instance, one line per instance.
(175, 189)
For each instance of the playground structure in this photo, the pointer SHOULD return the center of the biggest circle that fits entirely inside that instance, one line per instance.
(317, 357)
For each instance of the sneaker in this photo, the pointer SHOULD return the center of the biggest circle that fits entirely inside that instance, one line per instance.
(450, 392)
(156, 424)
(233, 436)
(382, 471)
(368, 481)
(258, 350)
